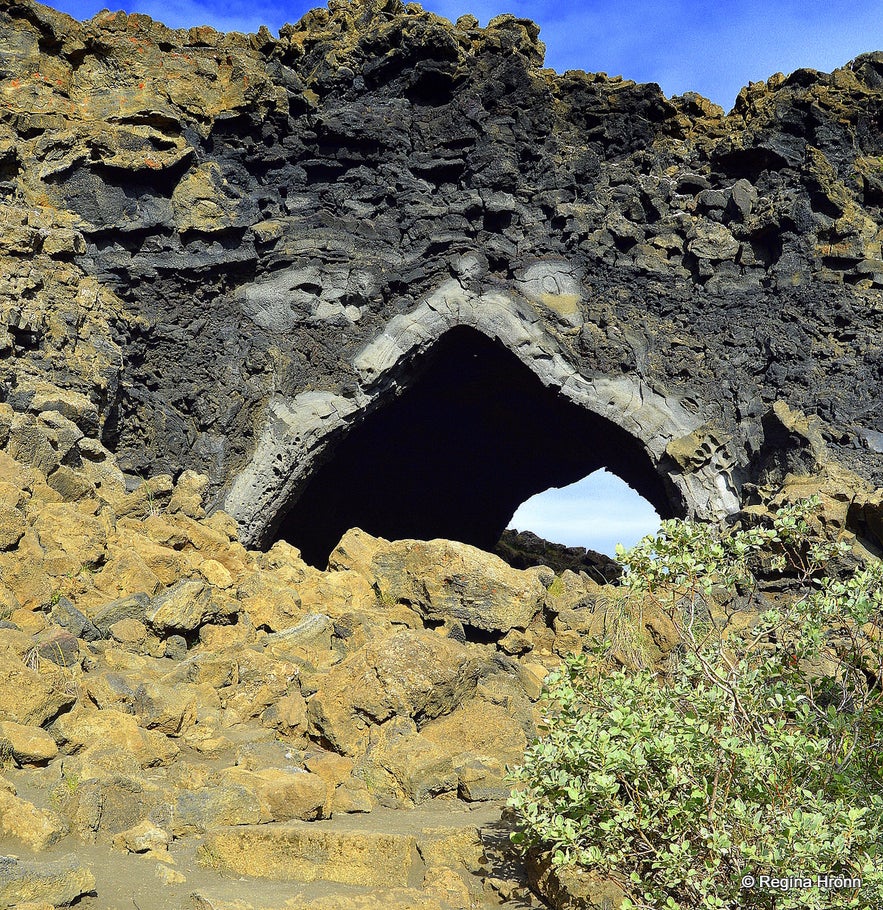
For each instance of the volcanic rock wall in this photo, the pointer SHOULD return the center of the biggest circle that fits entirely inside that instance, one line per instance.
(230, 251)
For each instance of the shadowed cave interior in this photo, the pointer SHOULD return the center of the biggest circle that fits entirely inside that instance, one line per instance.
(471, 435)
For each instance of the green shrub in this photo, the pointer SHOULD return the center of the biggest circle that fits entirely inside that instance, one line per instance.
(757, 752)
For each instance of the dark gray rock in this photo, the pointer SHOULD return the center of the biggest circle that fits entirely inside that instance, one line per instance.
(132, 607)
(66, 615)
(275, 252)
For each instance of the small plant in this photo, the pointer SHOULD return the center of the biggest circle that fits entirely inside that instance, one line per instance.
(153, 507)
(71, 782)
(557, 587)
(32, 660)
(758, 753)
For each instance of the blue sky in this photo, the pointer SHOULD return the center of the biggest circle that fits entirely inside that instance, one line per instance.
(713, 47)
(598, 512)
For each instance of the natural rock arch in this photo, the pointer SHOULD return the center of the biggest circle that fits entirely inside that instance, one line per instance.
(472, 435)
(319, 465)
(236, 249)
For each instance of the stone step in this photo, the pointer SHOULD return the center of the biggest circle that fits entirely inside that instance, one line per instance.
(385, 849)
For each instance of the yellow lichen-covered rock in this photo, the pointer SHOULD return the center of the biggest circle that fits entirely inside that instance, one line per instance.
(86, 730)
(35, 828)
(482, 728)
(167, 707)
(452, 847)
(187, 605)
(447, 580)
(27, 744)
(421, 768)
(62, 527)
(284, 794)
(447, 886)
(215, 538)
(12, 527)
(9, 603)
(564, 886)
(337, 593)
(215, 574)
(32, 698)
(372, 686)
(188, 494)
(351, 796)
(40, 884)
(356, 551)
(301, 852)
(24, 573)
(204, 201)
(263, 681)
(142, 838)
(288, 715)
(128, 631)
(166, 563)
(125, 573)
(269, 602)
(72, 486)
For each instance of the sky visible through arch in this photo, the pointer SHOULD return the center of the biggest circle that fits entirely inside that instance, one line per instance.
(713, 47)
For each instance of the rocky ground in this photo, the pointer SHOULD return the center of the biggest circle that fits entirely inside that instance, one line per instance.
(203, 235)
(185, 722)
(210, 720)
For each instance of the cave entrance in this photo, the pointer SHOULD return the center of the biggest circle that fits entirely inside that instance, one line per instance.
(471, 434)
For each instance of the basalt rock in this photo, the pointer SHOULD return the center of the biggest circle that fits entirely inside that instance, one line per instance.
(385, 242)
(523, 549)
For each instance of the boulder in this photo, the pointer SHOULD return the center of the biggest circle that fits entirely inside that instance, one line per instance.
(187, 605)
(143, 838)
(12, 527)
(408, 767)
(34, 828)
(86, 731)
(28, 745)
(447, 580)
(134, 606)
(307, 852)
(283, 793)
(58, 883)
(572, 888)
(63, 528)
(32, 698)
(60, 648)
(169, 708)
(102, 807)
(713, 241)
(125, 573)
(215, 806)
(66, 615)
(524, 549)
(412, 674)
(482, 729)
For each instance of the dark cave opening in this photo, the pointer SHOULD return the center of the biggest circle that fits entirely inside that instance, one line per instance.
(472, 434)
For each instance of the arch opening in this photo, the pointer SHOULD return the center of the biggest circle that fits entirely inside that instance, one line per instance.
(595, 513)
(472, 435)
